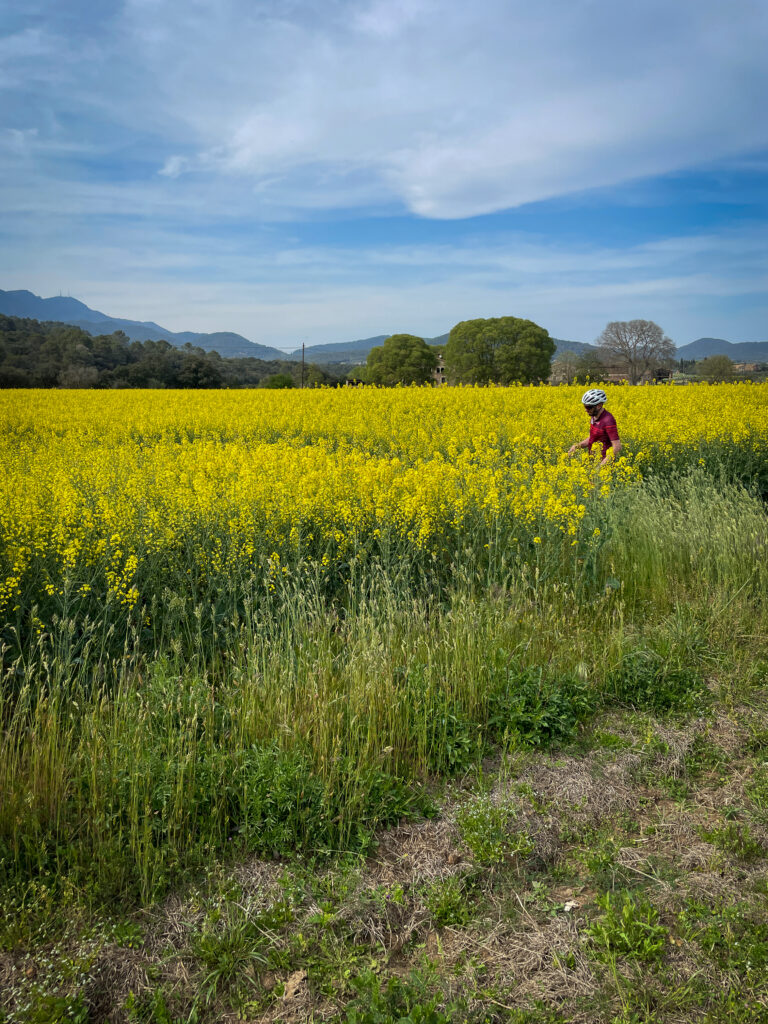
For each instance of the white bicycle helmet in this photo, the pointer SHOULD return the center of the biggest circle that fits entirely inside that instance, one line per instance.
(594, 397)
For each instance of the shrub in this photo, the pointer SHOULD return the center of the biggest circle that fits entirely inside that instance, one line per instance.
(539, 710)
(647, 682)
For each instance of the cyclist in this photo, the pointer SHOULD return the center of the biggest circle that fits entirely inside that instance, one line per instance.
(602, 429)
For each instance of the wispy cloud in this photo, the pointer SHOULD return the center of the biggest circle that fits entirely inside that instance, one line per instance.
(449, 110)
(161, 155)
(277, 291)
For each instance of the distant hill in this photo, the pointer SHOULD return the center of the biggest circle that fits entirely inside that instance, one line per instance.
(579, 347)
(340, 352)
(49, 353)
(739, 352)
(351, 351)
(71, 311)
(62, 309)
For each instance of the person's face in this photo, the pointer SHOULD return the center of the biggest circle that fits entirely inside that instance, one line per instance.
(594, 410)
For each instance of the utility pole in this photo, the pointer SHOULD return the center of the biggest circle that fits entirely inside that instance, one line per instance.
(302, 364)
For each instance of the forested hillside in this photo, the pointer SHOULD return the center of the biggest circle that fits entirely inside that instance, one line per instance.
(50, 355)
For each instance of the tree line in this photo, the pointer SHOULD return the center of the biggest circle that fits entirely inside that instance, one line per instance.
(50, 355)
(508, 349)
(499, 350)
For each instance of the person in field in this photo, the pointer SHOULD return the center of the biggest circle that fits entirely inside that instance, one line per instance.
(602, 426)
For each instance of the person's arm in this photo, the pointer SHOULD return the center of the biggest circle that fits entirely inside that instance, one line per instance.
(612, 452)
(579, 444)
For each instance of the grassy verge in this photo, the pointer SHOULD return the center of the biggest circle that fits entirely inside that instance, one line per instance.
(619, 875)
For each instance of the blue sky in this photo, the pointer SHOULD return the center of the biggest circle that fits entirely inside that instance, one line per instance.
(297, 171)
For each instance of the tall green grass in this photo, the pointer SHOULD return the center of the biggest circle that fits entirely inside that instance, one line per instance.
(299, 718)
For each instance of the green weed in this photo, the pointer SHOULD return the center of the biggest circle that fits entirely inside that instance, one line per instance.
(447, 900)
(487, 829)
(410, 1000)
(734, 935)
(645, 681)
(735, 839)
(537, 709)
(229, 951)
(629, 927)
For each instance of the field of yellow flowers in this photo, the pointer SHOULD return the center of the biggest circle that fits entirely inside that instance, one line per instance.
(106, 493)
(259, 621)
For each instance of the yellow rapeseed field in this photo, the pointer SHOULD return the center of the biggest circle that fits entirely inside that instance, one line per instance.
(97, 486)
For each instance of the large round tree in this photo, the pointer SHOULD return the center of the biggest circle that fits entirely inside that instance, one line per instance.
(500, 350)
(402, 359)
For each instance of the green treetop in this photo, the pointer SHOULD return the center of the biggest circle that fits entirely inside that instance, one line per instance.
(501, 350)
(402, 359)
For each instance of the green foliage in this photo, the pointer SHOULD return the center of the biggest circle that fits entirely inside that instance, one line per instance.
(226, 950)
(152, 1008)
(714, 369)
(402, 359)
(538, 1013)
(629, 927)
(127, 934)
(258, 798)
(396, 1001)
(539, 709)
(279, 381)
(487, 829)
(48, 355)
(735, 839)
(589, 367)
(705, 756)
(646, 681)
(734, 935)
(501, 350)
(57, 1009)
(598, 854)
(757, 791)
(450, 741)
(446, 900)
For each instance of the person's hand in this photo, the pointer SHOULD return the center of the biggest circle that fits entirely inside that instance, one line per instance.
(572, 449)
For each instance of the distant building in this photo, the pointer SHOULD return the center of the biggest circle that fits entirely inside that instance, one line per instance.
(438, 374)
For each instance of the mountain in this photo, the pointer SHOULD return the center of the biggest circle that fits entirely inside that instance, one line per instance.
(739, 352)
(339, 352)
(579, 347)
(67, 310)
(351, 352)
(61, 309)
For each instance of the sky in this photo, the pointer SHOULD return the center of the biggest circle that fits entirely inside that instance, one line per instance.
(305, 171)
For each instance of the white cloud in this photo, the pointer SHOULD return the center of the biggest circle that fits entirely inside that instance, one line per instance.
(460, 110)
(148, 149)
(447, 108)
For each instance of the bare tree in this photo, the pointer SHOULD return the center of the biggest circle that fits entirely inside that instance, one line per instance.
(639, 346)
